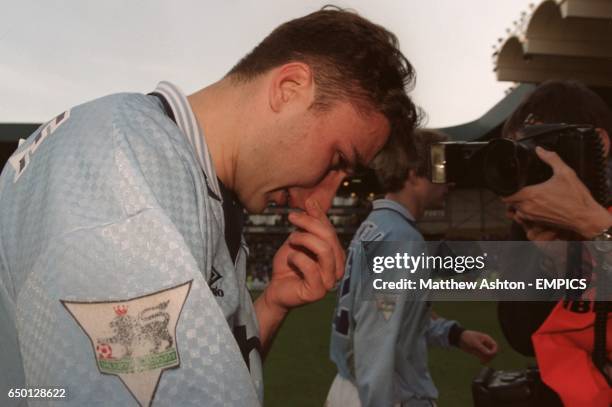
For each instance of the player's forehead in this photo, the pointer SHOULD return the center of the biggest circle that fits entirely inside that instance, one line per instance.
(363, 131)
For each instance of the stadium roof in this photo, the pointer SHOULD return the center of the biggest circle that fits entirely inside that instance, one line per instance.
(490, 123)
(559, 39)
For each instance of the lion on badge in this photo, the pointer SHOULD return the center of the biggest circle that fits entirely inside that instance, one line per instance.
(149, 327)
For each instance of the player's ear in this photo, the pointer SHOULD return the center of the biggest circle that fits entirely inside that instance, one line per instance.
(413, 178)
(605, 139)
(291, 84)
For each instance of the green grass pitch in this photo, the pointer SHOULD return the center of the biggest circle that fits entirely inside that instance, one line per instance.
(298, 372)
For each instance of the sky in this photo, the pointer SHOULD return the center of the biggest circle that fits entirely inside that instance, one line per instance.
(56, 54)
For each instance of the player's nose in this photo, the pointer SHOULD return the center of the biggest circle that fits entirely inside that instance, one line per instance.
(323, 192)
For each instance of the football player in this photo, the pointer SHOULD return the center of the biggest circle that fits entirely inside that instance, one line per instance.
(379, 344)
(122, 261)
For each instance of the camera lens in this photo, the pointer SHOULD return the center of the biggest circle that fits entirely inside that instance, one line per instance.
(507, 168)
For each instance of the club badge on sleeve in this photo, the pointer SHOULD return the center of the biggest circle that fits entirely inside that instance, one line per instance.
(135, 338)
(386, 305)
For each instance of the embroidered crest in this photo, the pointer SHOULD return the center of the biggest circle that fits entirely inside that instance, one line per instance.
(134, 339)
(386, 305)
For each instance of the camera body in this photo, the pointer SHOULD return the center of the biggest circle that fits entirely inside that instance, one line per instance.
(523, 388)
(505, 166)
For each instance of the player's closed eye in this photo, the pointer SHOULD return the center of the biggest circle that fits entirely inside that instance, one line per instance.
(342, 163)
(352, 170)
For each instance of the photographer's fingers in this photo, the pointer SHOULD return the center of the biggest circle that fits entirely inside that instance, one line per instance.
(323, 253)
(538, 233)
(534, 192)
(551, 158)
(518, 197)
(510, 212)
(564, 177)
(518, 220)
(522, 218)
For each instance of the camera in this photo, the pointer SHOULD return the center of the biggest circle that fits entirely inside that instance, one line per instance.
(505, 166)
(522, 388)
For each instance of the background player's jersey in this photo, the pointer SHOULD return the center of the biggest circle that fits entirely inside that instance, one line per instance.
(381, 344)
(109, 240)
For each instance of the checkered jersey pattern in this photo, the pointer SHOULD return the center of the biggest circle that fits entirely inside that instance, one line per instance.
(113, 205)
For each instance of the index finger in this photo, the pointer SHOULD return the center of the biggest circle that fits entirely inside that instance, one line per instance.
(316, 222)
(313, 208)
(551, 158)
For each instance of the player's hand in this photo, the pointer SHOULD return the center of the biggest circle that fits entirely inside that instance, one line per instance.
(309, 263)
(563, 201)
(478, 344)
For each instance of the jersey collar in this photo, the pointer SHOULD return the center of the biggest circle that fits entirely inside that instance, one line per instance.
(186, 121)
(393, 205)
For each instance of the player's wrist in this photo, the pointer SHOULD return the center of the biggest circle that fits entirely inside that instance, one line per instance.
(272, 304)
(455, 333)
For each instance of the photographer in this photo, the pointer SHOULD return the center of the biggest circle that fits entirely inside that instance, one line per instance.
(562, 208)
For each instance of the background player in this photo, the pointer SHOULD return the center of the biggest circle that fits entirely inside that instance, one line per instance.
(380, 346)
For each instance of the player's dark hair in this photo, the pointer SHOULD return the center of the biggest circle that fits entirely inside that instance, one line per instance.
(351, 59)
(568, 102)
(393, 172)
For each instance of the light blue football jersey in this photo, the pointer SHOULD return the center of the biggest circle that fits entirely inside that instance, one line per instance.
(116, 283)
(380, 344)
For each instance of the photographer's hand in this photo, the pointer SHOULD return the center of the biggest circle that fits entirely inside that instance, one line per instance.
(478, 344)
(563, 201)
(552, 242)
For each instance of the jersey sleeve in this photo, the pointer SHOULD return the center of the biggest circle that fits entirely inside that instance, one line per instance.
(132, 265)
(115, 309)
(437, 332)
